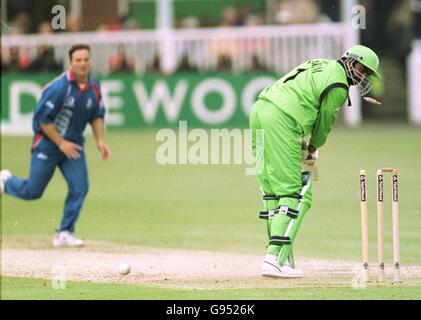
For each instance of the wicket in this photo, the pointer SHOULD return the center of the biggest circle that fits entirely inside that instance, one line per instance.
(380, 224)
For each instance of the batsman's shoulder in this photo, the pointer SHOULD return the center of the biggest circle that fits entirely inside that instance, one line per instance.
(335, 75)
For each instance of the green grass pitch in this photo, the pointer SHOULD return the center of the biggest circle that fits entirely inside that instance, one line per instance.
(134, 200)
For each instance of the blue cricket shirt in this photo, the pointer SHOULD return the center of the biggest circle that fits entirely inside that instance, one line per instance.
(69, 107)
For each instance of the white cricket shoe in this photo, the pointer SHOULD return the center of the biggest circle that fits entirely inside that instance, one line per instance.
(4, 176)
(67, 239)
(272, 269)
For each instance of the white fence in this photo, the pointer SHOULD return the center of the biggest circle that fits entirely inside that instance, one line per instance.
(278, 48)
(141, 45)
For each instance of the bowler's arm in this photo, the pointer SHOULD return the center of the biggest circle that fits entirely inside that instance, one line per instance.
(70, 149)
(98, 129)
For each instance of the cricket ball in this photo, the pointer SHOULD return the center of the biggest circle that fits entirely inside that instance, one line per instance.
(123, 268)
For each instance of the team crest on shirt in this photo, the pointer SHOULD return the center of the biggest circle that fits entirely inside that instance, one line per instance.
(89, 103)
(70, 102)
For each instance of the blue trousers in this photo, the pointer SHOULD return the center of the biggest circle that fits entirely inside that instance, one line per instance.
(43, 164)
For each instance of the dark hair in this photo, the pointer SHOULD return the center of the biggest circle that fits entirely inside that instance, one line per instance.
(78, 47)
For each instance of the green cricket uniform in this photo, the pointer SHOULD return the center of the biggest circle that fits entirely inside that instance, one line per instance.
(303, 102)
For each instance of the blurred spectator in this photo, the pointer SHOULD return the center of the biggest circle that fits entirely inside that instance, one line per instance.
(190, 22)
(72, 23)
(5, 60)
(178, 21)
(257, 65)
(185, 65)
(186, 22)
(229, 17)
(22, 22)
(45, 60)
(14, 61)
(120, 62)
(297, 11)
(253, 20)
(131, 23)
(224, 63)
(102, 28)
(155, 66)
(244, 12)
(12, 31)
(223, 49)
(205, 21)
(116, 24)
(45, 28)
(123, 23)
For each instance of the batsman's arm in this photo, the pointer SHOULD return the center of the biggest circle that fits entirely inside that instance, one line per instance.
(327, 116)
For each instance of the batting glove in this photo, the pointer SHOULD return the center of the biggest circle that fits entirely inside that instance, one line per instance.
(311, 157)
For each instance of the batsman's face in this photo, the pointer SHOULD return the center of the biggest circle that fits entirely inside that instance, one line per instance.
(80, 63)
(362, 70)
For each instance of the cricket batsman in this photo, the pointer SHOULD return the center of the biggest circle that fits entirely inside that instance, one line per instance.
(303, 103)
(66, 106)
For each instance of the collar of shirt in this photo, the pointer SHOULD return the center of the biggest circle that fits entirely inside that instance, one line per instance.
(71, 78)
(350, 82)
(342, 64)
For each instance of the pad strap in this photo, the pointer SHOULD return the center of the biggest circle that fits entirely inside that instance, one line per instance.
(275, 197)
(279, 241)
(292, 213)
(271, 197)
(267, 214)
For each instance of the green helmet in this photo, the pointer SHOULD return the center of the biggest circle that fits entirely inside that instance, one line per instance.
(365, 56)
(369, 59)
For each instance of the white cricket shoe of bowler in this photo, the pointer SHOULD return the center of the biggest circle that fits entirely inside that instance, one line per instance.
(4, 176)
(67, 239)
(272, 269)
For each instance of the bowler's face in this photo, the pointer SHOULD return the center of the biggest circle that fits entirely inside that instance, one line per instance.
(81, 63)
